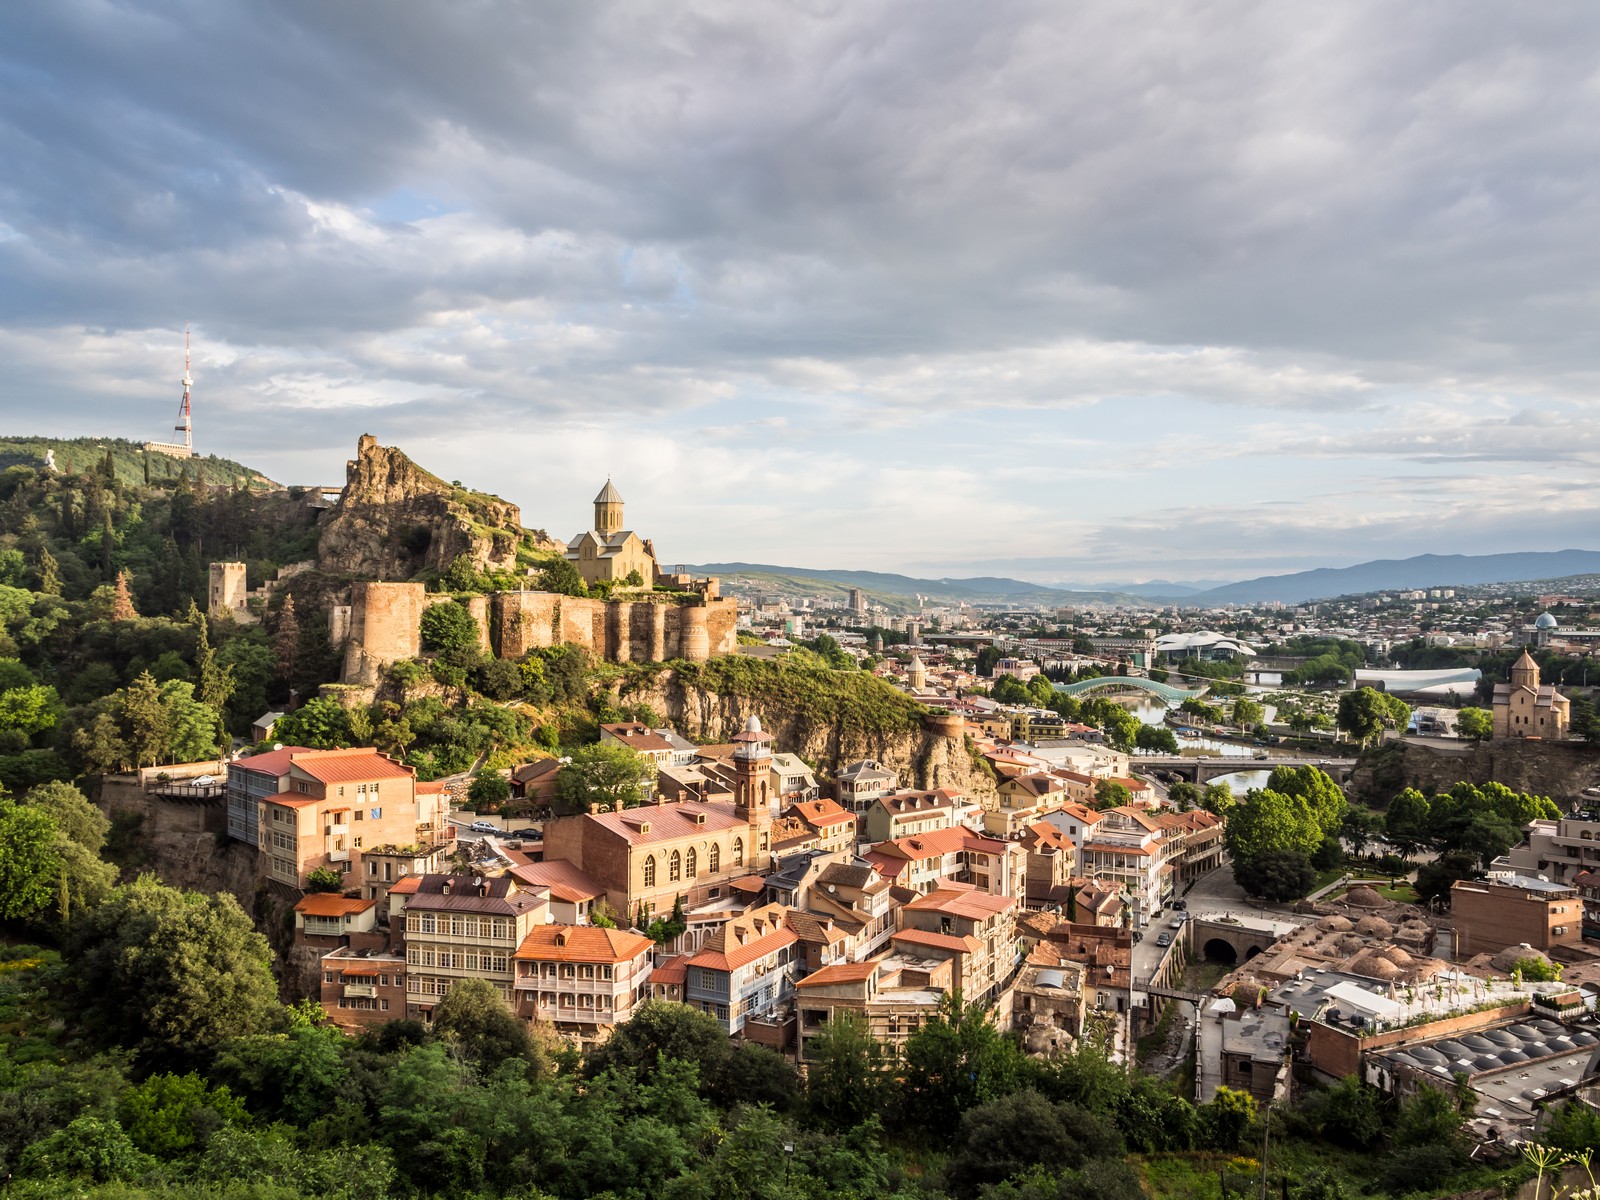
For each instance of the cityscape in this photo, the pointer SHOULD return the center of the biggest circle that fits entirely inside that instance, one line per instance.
(1072, 684)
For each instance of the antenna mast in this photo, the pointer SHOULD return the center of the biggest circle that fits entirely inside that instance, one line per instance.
(184, 425)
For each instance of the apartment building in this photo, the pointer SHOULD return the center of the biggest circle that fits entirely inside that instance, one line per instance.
(907, 813)
(326, 808)
(1509, 910)
(1556, 849)
(862, 782)
(1192, 841)
(894, 997)
(954, 855)
(857, 899)
(1049, 866)
(833, 828)
(461, 927)
(1125, 850)
(977, 931)
(362, 988)
(582, 979)
(746, 969)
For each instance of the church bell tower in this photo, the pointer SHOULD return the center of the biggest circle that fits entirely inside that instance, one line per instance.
(752, 789)
(608, 511)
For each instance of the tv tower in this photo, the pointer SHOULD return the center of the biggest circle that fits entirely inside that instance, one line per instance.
(184, 426)
(185, 448)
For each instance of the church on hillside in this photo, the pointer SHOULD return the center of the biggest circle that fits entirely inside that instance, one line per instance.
(1526, 708)
(608, 551)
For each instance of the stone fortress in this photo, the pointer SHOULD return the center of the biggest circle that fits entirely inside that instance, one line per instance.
(388, 501)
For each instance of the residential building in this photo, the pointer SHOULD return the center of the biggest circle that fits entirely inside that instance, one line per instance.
(1048, 872)
(1557, 849)
(894, 997)
(330, 806)
(1047, 1001)
(460, 927)
(362, 988)
(862, 782)
(796, 782)
(1491, 914)
(977, 931)
(649, 744)
(1020, 801)
(535, 782)
(833, 827)
(382, 866)
(1125, 850)
(329, 919)
(582, 979)
(905, 813)
(1193, 843)
(573, 895)
(745, 970)
(1525, 708)
(1108, 955)
(250, 782)
(955, 855)
(855, 896)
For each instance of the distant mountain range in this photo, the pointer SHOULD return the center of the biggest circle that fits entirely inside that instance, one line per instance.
(1425, 570)
(1383, 575)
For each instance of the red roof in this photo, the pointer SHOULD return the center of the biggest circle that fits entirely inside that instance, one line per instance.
(839, 973)
(939, 941)
(331, 904)
(728, 952)
(564, 879)
(405, 885)
(356, 765)
(667, 821)
(274, 762)
(823, 812)
(581, 943)
(672, 970)
(963, 901)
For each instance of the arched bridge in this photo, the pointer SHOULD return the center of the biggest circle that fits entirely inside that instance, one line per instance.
(1229, 940)
(1130, 683)
(1201, 770)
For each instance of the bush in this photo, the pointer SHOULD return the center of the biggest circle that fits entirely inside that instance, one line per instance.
(324, 879)
(489, 791)
(447, 627)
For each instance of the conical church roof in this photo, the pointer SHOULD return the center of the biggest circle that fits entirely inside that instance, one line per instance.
(608, 495)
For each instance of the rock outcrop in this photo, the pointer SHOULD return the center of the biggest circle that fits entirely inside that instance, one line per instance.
(395, 520)
(1559, 770)
(927, 753)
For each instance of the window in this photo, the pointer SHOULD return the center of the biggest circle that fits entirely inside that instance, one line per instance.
(691, 863)
(674, 867)
(605, 972)
(498, 963)
(738, 852)
(586, 971)
(357, 812)
(427, 923)
(372, 867)
(383, 1005)
(327, 977)
(650, 871)
(763, 841)
(377, 813)
(497, 930)
(708, 980)
(714, 859)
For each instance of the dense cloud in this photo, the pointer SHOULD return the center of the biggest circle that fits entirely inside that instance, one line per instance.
(1130, 290)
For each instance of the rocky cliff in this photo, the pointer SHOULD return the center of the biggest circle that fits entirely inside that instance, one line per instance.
(1559, 770)
(394, 520)
(827, 731)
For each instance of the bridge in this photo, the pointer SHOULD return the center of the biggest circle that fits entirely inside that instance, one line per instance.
(1201, 770)
(1170, 993)
(1130, 683)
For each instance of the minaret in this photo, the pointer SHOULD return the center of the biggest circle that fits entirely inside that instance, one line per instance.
(184, 425)
(752, 789)
(608, 511)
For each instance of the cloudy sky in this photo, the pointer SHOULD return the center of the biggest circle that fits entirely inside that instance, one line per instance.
(1077, 293)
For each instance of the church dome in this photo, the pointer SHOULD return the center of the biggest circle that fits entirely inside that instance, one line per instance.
(753, 724)
(608, 495)
(1545, 621)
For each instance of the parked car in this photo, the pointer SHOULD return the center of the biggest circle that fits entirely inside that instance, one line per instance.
(205, 781)
(484, 827)
(1178, 922)
(1164, 940)
(1180, 905)
(530, 832)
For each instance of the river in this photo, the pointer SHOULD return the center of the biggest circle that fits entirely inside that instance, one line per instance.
(1153, 712)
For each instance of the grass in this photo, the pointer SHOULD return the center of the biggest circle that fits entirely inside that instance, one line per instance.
(1403, 894)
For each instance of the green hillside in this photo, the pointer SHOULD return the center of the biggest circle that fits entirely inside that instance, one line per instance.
(80, 456)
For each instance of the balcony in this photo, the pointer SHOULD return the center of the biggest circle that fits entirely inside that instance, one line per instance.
(336, 830)
(361, 989)
(338, 856)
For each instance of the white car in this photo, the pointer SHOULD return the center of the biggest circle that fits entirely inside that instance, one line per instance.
(205, 781)
(484, 827)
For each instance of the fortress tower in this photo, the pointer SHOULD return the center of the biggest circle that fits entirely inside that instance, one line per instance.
(608, 511)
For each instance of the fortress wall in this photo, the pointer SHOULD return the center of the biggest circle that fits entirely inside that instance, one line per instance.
(384, 626)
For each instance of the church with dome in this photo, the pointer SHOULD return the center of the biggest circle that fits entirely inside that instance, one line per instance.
(1526, 708)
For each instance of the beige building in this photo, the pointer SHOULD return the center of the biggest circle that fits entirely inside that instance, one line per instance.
(1524, 708)
(460, 927)
(975, 930)
(608, 552)
(582, 979)
(653, 855)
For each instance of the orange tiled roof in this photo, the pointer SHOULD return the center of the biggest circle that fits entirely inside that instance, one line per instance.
(823, 812)
(581, 943)
(963, 902)
(331, 904)
(666, 821)
(725, 952)
(274, 762)
(564, 879)
(939, 941)
(405, 885)
(672, 970)
(839, 973)
(356, 765)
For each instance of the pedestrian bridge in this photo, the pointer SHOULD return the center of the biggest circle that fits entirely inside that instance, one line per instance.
(1201, 770)
(1130, 683)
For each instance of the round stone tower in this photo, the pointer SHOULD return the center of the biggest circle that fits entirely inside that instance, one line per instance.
(608, 510)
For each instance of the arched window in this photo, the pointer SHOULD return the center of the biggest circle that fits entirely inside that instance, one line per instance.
(714, 858)
(674, 867)
(692, 862)
(650, 871)
(738, 852)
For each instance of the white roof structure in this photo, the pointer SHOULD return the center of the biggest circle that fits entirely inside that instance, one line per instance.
(1200, 641)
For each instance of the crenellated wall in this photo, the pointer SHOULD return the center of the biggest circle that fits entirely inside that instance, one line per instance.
(385, 622)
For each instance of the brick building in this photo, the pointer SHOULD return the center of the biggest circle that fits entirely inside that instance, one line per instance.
(1491, 914)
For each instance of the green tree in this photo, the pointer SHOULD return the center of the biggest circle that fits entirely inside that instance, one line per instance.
(99, 744)
(1108, 793)
(172, 1116)
(1276, 875)
(956, 1061)
(1351, 1114)
(489, 790)
(29, 710)
(320, 724)
(1271, 822)
(147, 721)
(1475, 723)
(1407, 822)
(192, 726)
(1156, 739)
(1247, 713)
(286, 639)
(170, 972)
(561, 577)
(1228, 1119)
(1366, 712)
(604, 773)
(1023, 1131)
(1323, 798)
(476, 1018)
(1538, 970)
(449, 627)
(846, 1075)
(92, 1148)
(324, 879)
(30, 861)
